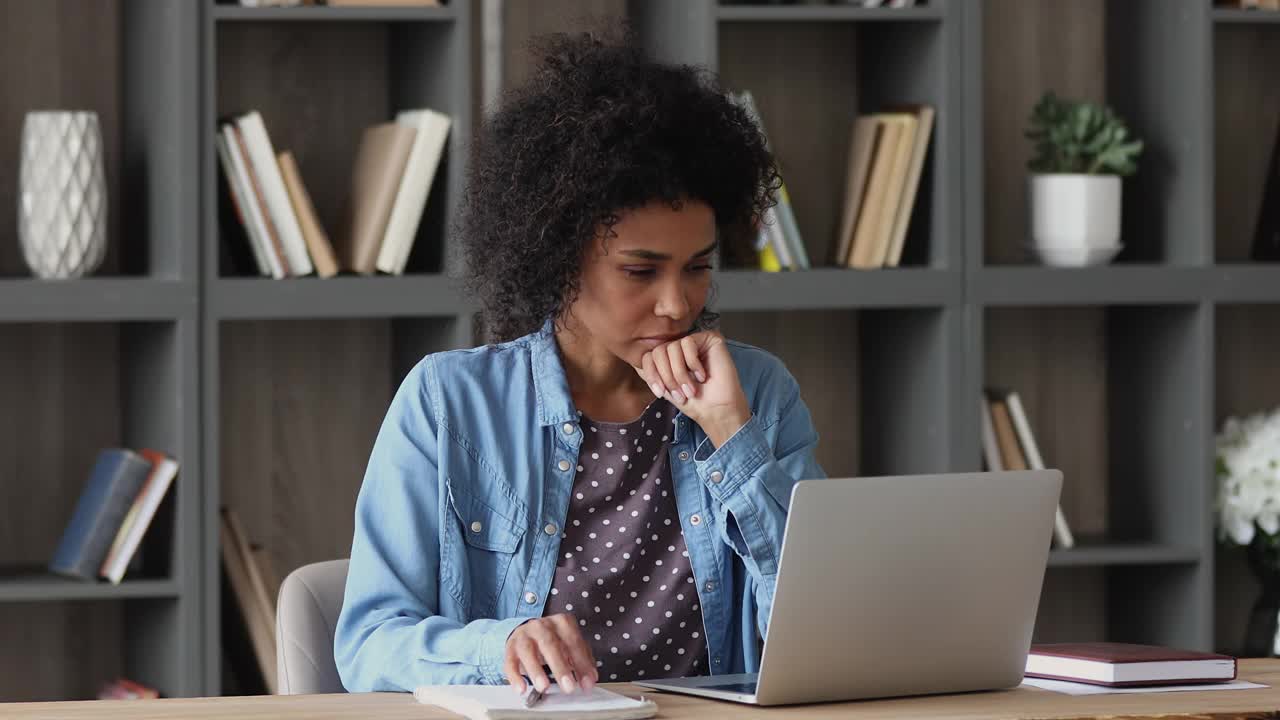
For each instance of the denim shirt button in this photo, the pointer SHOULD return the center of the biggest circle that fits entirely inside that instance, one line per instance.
(695, 519)
(568, 428)
(530, 598)
(709, 586)
(550, 529)
(684, 455)
(563, 465)
(716, 476)
(476, 526)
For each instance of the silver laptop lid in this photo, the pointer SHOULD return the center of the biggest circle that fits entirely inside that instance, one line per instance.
(907, 585)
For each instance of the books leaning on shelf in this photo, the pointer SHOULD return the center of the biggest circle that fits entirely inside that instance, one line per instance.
(1008, 444)
(119, 503)
(778, 243)
(270, 223)
(255, 587)
(887, 153)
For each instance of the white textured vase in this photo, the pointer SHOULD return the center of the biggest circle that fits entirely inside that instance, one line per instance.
(62, 194)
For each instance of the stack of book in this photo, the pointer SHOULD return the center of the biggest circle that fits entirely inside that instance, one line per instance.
(886, 159)
(1008, 444)
(395, 165)
(114, 511)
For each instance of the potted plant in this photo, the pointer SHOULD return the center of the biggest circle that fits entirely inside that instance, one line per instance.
(1248, 515)
(1081, 151)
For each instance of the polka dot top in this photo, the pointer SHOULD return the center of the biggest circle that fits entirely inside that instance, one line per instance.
(623, 568)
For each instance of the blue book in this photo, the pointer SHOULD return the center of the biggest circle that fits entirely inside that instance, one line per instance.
(118, 475)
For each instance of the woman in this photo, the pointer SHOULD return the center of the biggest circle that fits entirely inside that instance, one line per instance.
(602, 495)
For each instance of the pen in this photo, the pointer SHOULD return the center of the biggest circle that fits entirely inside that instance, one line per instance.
(533, 698)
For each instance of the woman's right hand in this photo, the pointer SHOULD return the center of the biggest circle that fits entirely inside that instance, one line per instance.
(554, 641)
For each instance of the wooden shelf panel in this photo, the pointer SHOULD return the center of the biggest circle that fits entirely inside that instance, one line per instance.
(1247, 17)
(339, 297)
(95, 299)
(1104, 554)
(835, 289)
(817, 13)
(38, 585)
(1103, 285)
(235, 13)
(1247, 283)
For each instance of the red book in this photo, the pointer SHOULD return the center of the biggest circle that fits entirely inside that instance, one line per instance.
(1123, 664)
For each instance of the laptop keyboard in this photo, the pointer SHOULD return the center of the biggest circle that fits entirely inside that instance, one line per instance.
(748, 688)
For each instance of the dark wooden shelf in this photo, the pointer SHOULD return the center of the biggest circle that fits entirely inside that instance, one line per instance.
(1026, 285)
(235, 13)
(835, 289)
(38, 585)
(339, 297)
(95, 299)
(1086, 554)
(1246, 17)
(833, 13)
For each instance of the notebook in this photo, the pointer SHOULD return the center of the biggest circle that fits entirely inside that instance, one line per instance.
(501, 702)
(1123, 664)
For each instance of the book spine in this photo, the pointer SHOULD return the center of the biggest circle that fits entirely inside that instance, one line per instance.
(1061, 531)
(117, 477)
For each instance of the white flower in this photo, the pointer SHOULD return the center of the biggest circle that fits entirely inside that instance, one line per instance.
(1248, 455)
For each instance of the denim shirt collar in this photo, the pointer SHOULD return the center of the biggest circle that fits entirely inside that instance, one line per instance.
(555, 404)
(551, 386)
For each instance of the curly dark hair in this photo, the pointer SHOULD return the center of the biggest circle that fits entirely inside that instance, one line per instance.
(598, 129)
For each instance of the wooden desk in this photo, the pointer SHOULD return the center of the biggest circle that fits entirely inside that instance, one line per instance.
(1019, 704)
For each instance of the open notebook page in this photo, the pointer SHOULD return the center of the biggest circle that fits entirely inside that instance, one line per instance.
(501, 702)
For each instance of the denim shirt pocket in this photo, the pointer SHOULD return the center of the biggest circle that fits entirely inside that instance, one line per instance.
(479, 543)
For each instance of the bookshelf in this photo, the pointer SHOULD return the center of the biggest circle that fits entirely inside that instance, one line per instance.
(270, 392)
(297, 373)
(106, 360)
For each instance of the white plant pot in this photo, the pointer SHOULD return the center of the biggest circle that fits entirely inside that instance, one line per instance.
(1075, 219)
(62, 194)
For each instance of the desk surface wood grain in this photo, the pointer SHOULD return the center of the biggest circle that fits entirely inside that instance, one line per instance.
(1018, 704)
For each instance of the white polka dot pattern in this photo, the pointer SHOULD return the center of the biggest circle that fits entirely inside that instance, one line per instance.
(610, 498)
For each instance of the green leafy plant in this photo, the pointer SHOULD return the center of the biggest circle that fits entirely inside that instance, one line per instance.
(1074, 136)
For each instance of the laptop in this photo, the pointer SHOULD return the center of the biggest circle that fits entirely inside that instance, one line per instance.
(900, 585)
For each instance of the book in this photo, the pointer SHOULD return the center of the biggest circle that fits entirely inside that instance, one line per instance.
(911, 185)
(116, 478)
(868, 235)
(261, 227)
(241, 253)
(379, 164)
(1061, 531)
(990, 446)
(792, 252)
(163, 470)
(248, 589)
(261, 157)
(894, 192)
(862, 147)
(415, 187)
(502, 702)
(313, 233)
(1127, 664)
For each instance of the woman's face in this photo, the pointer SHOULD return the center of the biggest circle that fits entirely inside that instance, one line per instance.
(648, 284)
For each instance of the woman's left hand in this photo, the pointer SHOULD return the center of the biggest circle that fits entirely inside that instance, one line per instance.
(698, 376)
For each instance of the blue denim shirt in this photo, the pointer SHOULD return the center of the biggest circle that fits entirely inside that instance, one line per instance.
(457, 523)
